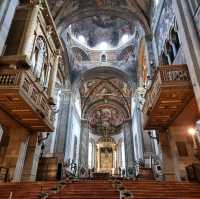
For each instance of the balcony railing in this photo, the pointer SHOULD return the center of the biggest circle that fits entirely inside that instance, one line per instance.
(166, 79)
(21, 82)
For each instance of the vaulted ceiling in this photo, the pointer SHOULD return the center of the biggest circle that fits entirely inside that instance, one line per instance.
(66, 12)
(97, 22)
(106, 103)
(104, 88)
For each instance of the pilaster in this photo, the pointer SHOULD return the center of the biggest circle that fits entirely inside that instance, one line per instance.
(167, 156)
(129, 149)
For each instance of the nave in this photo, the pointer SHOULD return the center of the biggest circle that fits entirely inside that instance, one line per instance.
(99, 99)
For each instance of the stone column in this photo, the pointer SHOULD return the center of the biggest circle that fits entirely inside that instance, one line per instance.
(53, 75)
(167, 156)
(129, 149)
(7, 11)
(29, 36)
(32, 159)
(84, 142)
(62, 123)
(190, 41)
(16, 152)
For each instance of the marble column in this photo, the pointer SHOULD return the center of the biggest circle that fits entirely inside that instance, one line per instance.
(84, 143)
(190, 41)
(53, 75)
(32, 159)
(62, 123)
(168, 169)
(7, 11)
(29, 36)
(129, 149)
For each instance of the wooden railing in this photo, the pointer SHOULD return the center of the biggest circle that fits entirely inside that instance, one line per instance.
(25, 82)
(172, 75)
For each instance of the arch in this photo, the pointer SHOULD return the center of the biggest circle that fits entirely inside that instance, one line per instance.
(124, 13)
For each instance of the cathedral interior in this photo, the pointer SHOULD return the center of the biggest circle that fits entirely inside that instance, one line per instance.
(99, 99)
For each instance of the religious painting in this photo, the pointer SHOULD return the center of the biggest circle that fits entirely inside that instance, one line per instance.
(106, 121)
(182, 149)
(106, 158)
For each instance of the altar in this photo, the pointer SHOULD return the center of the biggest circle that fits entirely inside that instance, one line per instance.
(101, 175)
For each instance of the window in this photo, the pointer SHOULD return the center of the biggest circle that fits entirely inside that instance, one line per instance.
(90, 155)
(103, 58)
(175, 40)
(164, 59)
(75, 148)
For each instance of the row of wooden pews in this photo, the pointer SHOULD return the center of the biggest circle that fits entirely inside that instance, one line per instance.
(100, 189)
(163, 190)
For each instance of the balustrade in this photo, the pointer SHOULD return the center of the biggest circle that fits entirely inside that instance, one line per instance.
(23, 82)
(165, 92)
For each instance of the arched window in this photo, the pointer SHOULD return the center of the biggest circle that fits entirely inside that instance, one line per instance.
(90, 155)
(75, 148)
(103, 58)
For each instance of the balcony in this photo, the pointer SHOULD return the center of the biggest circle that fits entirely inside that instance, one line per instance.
(169, 93)
(23, 99)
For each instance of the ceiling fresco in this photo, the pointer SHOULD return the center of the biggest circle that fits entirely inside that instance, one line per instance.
(122, 55)
(66, 12)
(106, 104)
(101, 28)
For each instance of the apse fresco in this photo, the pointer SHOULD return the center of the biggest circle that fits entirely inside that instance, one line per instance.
(106, 121)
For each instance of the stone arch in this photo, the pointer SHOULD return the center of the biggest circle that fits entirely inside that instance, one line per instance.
(124, 13)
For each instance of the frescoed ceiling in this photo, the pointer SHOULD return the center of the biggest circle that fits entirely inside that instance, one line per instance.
(66, 12)
(101, 28)
(99, 22)
(106, 104)
(121, 37)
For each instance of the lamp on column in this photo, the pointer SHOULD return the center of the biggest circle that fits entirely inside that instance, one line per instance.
(193, 132)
